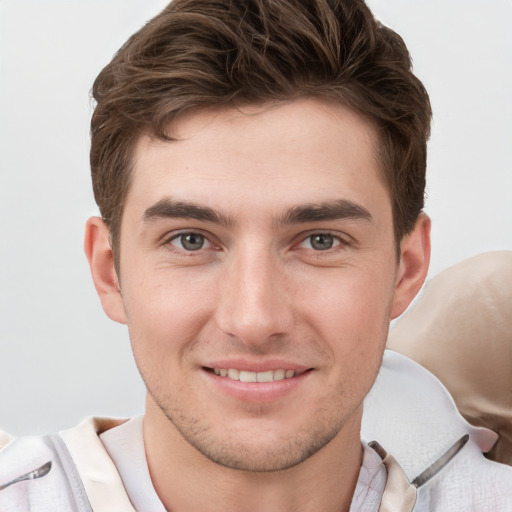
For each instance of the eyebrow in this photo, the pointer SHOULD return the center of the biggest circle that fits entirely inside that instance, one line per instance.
(168, 209)
(329, 210)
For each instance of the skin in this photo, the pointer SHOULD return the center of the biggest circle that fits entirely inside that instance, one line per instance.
(294, 265)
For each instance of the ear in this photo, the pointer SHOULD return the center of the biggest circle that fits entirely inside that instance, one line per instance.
(101, 262)
(413, 266)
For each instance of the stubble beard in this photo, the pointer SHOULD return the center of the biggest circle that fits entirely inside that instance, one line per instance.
(246, 455)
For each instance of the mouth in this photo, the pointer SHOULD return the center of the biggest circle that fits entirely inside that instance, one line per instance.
(263, 376)
(259, 383)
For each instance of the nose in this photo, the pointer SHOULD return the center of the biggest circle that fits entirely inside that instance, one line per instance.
(255, 301)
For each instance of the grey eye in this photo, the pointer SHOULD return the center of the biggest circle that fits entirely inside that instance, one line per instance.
(321, 241)
(190, 241)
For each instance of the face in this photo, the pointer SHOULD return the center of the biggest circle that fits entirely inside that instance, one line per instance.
(258, 272)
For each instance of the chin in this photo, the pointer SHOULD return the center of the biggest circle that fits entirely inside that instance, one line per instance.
(257, 445)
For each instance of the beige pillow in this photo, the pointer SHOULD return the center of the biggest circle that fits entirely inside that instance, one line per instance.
(5, 438)
(461, 330)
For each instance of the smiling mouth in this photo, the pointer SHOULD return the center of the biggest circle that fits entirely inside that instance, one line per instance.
(246, 376)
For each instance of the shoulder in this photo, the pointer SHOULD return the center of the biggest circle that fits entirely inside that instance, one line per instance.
(54, 473)
(414, 418)
(469, 482)
(32, 477)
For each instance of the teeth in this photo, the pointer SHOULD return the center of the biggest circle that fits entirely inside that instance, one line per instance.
(243, 376)
(248, 376)
(233, 374)
(279, 374)
(265, 376)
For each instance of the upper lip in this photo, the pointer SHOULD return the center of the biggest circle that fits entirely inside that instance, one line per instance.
(257, 366)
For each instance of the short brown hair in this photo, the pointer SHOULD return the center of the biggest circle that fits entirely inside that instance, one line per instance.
(214, 53)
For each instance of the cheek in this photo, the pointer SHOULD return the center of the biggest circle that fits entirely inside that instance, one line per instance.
(165, 311)
(351, 303)
(351, 316)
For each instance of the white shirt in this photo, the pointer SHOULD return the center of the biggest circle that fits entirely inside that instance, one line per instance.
(125, 445)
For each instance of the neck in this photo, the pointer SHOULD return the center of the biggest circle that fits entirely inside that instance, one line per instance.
(184, 479)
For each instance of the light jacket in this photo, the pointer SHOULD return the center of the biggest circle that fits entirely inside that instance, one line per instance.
(437, 462)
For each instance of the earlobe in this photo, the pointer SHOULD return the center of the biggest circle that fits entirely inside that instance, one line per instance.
(101, 262)
(413, 266)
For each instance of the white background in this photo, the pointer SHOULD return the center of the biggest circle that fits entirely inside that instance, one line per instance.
(61, 359)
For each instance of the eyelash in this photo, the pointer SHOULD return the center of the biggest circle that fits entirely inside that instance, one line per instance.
(167, 242)
(339, 243)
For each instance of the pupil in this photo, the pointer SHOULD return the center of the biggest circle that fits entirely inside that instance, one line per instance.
(321, 242)
(192, 241)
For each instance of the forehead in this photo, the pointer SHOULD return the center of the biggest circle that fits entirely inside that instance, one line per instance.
(297, 151)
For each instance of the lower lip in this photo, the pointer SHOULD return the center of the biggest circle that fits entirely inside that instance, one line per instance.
(257, 391)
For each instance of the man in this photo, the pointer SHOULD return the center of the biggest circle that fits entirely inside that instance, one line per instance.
(260, 171)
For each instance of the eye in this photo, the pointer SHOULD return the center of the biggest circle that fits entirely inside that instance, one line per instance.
(321, 242)
(190, 241)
